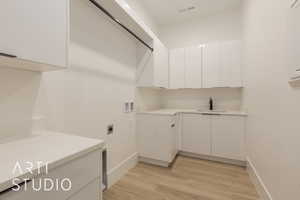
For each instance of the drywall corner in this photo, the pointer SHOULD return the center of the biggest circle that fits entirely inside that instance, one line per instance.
(115, 174)
(258, 182)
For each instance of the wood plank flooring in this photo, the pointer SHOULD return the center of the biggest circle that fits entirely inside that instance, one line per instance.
(187, 179)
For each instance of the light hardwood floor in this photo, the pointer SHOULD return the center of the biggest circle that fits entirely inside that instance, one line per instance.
(187, 179)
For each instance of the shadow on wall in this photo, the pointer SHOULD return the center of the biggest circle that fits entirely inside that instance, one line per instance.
(88, 96)
(91, 63)
(91, 29)
(18, 94)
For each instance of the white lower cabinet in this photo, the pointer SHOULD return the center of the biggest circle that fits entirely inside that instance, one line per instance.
(156, 138)
(91, 191)
(220, 136)
(196, 134)
(82, 176)
(178, 132)
(228, 137)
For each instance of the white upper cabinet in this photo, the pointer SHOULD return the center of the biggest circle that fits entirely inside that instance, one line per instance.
(296, 37)
(230, 68)
(153, 67)
(177, 68)
(211, 65)
(161, 63)
(193, 67)
(36, 32)
(294, 32)
(222, 64)
(207, 66)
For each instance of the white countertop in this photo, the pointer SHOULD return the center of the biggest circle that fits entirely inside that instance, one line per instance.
(193, 111)
(52, 148)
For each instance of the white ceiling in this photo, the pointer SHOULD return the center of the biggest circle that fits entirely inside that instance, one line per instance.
(166, 12)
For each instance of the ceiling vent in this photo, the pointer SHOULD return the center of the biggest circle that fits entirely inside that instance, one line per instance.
(190, 8)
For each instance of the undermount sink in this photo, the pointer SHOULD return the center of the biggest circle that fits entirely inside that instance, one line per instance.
(213, 111)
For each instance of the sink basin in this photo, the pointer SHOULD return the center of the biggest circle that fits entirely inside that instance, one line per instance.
(217, 111)
(212, 111)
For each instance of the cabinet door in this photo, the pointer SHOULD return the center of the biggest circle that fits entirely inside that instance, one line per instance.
(174, 136)
(155, 137)
(35, 30)
(161, 65)
(193, 68)
(211, 65)
(90, 192)
(295, 37)
(196, 134)
(230, 68)
(176, 68)
(179, 131)
(77, 171)
(228, 137)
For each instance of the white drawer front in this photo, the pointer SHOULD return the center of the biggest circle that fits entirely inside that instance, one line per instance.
(90, 192)
(80, 171)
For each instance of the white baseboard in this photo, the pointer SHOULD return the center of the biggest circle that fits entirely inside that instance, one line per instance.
(214, 158)
(154, 162)
(115, 174)
(257, 181)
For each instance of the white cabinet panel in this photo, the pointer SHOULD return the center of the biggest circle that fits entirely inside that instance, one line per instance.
(295, 37)
(222, 66)
(156, 137)
(206, 66)
(196, 136)
(77, 171)
(211, 65)
(153, 67)
(40, 35)
(161, 64)
(89, 192)
(297, 34)
(177, 68)
(193, 67)
(230, 68)
(179, 131)
(174, 136)
(228, 137)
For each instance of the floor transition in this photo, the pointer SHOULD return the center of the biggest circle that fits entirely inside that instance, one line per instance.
(188, 179)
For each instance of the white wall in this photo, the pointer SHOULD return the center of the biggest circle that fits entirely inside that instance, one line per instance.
(148, 99)
(224, 98)
(18, 92)
(273, 123)
(224, 26)
(143, 14)
(90, 95)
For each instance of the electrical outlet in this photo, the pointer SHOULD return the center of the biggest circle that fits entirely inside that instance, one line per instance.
(110, 129)
(131, 106)
(126, 107)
